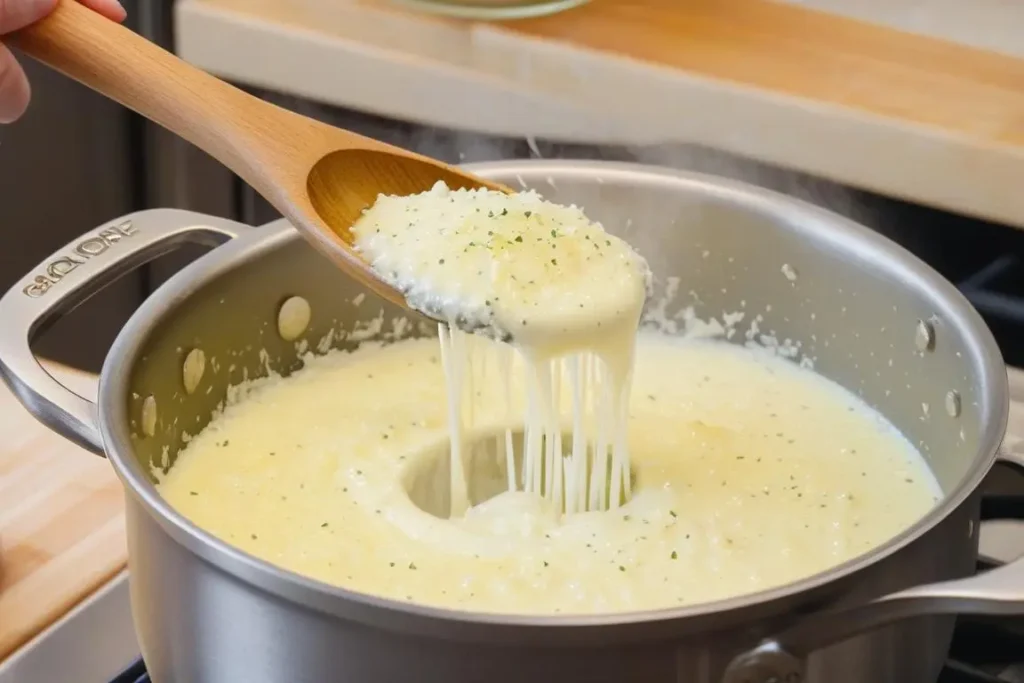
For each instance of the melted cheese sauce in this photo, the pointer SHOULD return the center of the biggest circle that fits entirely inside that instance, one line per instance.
(750, 473)
(554, 284)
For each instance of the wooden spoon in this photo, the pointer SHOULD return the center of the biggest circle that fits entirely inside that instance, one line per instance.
(318, 176)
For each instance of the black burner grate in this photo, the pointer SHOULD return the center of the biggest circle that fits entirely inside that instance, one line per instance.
(953, 672)
(982, 650)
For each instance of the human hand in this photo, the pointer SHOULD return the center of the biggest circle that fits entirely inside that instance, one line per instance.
(16, 14)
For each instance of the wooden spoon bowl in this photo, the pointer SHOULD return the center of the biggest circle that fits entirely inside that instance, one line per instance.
(319, 177)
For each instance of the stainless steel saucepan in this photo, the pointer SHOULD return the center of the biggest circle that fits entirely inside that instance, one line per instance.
(873, 318)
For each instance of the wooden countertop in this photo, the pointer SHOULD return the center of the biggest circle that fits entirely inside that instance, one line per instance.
(920, 99)
(62, 531)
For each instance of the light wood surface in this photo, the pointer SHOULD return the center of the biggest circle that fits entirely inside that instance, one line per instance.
(319, 177)
(62, 531)
(821, 57)
(779, 47)
(935, 119)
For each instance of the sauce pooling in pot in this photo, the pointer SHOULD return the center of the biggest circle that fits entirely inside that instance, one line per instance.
(750, 472)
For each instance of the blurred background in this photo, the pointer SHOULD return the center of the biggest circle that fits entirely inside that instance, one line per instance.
(462, 94)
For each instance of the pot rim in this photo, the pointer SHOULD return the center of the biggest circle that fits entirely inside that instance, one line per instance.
(430, 620)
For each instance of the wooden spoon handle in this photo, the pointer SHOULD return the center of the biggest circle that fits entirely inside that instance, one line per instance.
(109, 58)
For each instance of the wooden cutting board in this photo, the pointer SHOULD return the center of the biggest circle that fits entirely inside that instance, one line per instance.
(62, 531)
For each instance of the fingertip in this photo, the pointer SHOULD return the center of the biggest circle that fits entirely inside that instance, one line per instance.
(111, 9)
(15, 91)
(116, 11)
(18, 15)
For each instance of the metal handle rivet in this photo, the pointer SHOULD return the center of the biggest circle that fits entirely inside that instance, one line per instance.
(924, 338)
(293, 318)
(953, 403)
(149, 416)
(192, 369)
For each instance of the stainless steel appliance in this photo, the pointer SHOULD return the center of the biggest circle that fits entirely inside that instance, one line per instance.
(245, 619)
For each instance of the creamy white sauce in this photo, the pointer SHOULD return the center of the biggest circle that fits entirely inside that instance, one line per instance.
(496, 477)
(750, 473)
(563, 291)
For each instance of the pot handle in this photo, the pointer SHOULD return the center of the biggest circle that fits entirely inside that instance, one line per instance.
(66, 279)
(997, 592)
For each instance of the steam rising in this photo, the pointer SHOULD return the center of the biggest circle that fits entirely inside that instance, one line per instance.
(468, 148)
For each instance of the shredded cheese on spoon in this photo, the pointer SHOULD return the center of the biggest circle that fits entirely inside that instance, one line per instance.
(562, 291)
